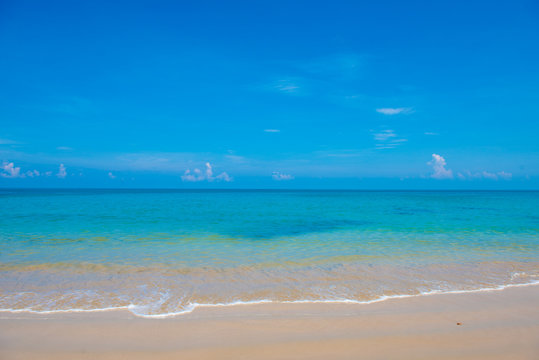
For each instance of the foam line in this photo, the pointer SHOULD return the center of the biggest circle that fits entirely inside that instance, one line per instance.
(59, 311)
(192, 306)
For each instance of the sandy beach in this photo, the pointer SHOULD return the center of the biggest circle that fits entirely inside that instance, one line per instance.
(482, 325)
(256, 180)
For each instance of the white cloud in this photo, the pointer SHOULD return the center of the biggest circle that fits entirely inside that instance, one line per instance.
(280, 177)
(32, 173)
(198, 175)
(224, 177)
(438, 166)
(10, 171)
(468, 175)
(505, 175)
(61, 172)
(286, 86)
(64, 148)
(488, 175)
(384, 135)
(193, 176)
(111, 175)
(394, 111)
(387, 139)
(209, 171)
(272, 130)
(431, 133)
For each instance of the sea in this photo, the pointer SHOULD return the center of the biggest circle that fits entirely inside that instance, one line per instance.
(161, 253)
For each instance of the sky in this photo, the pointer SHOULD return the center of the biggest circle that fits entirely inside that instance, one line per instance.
(269, 94)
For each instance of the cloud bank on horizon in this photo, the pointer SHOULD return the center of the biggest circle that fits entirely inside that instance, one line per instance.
(440, 172)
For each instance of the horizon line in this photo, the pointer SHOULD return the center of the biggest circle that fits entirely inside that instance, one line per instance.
(253, 189)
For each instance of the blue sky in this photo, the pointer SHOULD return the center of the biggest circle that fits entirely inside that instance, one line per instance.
(269, 94)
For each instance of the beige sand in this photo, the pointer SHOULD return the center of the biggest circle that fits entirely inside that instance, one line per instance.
(494, 325)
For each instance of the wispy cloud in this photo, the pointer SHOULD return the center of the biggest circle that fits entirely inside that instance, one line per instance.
(280, 176)
(324, 76)
(111, 175)
(272, 130)
(8, 142)
(489, 175)
(439, 168)
(224, 177)
(431, 133)
(505, 175)
(286, 86)
(384, 135)
(387, 139)
(64, 148)
(62, 173)
(394, 111)
(468, 175)
(235, 159)
(198, 175)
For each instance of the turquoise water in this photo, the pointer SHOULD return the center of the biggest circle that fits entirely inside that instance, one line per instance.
(162, 252)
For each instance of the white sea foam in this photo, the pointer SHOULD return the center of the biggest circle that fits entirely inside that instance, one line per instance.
(189, 308)
(192, 306)
(60, 311)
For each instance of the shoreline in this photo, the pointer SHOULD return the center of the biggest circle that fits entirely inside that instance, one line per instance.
(493, 324)
(193, 307)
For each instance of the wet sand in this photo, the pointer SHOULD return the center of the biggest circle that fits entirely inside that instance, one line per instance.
(483, 325)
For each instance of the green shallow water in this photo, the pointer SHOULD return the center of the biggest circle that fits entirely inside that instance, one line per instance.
(161, 251)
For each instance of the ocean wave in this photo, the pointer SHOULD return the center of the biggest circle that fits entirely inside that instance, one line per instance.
(190, 307)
